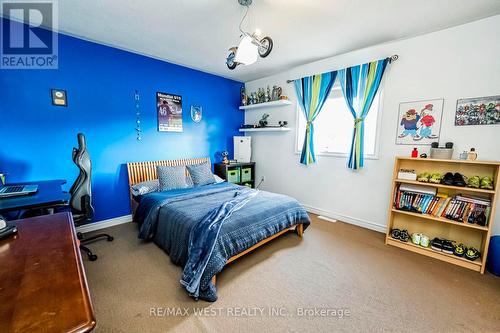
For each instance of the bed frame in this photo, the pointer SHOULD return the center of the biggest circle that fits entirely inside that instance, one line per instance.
(142, 171)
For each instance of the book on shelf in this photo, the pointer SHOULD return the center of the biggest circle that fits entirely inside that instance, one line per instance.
(458, 208)
(418, 188)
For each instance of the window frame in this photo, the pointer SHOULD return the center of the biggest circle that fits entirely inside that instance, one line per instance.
(374, 156)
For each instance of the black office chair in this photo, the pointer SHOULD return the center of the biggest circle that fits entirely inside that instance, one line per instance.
(81, 196)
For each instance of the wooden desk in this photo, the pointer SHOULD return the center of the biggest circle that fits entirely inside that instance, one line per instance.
(42, 282)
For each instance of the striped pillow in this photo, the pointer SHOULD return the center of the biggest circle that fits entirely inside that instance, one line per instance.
(171, 178)
(201, 174)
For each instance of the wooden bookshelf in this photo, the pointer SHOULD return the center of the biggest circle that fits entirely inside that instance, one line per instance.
(435, 226)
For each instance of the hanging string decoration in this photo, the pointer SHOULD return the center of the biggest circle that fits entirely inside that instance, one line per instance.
(138, 116)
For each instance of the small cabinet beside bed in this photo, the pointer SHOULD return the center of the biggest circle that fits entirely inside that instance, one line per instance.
(237, 173)
(172, 219)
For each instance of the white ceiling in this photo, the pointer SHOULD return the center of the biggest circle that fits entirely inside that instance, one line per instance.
(197, 33)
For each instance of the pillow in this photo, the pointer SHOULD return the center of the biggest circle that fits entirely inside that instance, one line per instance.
(218, 179)
(171, 178)
(145, 187)
(201, 174)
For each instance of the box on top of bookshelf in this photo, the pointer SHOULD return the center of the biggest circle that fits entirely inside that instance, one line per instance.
(461, 214)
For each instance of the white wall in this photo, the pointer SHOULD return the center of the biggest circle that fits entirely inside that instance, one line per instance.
(455, 63)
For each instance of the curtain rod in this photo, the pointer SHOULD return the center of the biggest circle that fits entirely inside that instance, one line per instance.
(391, 59)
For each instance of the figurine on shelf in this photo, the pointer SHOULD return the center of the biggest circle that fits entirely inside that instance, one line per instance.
(262, 95)
(276, 94)
(268, 94)
(252, 98)
(244, 97)
(224, 157)
(263, 121)
(283, 123)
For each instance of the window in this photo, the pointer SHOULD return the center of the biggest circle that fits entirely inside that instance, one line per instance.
(334, 126)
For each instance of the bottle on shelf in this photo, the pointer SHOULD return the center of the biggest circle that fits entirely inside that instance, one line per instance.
(472, 155)
(414, 153)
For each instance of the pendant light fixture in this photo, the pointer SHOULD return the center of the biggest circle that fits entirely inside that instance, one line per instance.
(251, 46)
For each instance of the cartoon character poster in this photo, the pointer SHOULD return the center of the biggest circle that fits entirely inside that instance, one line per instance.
(419, 123)
(169, 109)
(478, 111)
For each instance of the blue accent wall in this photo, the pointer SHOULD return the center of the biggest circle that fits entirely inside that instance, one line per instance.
(36, 138)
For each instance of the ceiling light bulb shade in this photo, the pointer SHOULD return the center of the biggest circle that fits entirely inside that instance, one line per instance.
(247, 52)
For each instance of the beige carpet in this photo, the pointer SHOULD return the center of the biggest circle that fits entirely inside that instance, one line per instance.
(335, 267)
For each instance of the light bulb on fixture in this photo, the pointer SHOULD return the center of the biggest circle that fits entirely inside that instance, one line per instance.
(247, 52)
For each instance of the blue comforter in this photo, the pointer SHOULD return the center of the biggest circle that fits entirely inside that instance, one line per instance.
(169, 217)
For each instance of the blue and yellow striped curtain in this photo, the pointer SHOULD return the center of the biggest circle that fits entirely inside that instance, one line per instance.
(312, 92)
(359, 86)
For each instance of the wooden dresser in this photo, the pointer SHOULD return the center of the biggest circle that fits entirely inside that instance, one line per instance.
(42, 281)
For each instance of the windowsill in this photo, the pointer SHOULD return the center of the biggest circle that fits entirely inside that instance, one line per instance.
(367, 157)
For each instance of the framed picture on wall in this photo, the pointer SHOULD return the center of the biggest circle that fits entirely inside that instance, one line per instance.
(169, 110)
(419, 122)
(478, 111)
(59, 97)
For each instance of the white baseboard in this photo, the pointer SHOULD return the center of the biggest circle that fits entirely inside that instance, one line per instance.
(348, 219)
(104, 224)
(327, 214)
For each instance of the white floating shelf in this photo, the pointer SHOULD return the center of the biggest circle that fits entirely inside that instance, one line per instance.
(266, 129)
(279, 102)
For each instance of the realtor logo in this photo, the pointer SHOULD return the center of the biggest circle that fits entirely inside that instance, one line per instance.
(29, 35)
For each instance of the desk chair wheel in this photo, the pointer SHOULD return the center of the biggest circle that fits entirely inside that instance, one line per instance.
(90, 255)
(84, 240)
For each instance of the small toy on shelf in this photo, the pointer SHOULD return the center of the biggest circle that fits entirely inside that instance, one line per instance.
(263, 121)
(225, 154)
(276, 94)
(244, 96)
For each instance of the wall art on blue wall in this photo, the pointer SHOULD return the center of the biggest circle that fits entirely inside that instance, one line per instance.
(169, 108)
(59, 97)
(196, 113)
(101, 82)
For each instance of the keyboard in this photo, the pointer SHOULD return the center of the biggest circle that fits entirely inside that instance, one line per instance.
(12, 189)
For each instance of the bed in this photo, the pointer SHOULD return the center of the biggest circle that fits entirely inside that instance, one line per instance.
(168, 218)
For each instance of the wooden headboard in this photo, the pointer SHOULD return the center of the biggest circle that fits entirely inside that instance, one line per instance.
(142, 171)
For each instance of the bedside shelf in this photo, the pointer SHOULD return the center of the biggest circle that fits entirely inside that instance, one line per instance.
(265, 129)
(280, 102)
